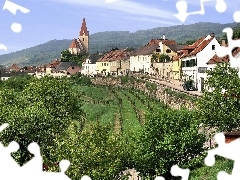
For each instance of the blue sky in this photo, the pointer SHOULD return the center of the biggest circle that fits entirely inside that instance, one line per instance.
(61, 19)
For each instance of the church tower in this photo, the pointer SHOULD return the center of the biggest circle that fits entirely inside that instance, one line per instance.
(81, 44)
(84, 36)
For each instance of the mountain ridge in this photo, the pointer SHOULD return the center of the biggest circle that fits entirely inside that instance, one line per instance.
(105, 41)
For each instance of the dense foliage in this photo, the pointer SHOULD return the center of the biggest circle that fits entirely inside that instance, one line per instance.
(101, 130)
(169, 137)
(219, 107)
(40, 112)
(160, 58)
(66, 56)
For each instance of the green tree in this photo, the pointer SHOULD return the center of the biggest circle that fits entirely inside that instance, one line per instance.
(169, 137)
(236, 33)
(96, 151)
(66, 56)
(219, 109)
(190, 42)
(17, 83)
(40, 113)
(160, 58)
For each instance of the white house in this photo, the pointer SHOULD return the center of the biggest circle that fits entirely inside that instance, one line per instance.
(195, 58)
(140, 60)
(89, 66)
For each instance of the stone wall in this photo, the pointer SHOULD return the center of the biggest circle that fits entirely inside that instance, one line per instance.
(171, 97)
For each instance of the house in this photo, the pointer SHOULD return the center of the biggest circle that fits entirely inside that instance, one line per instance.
(231, 136)
(31, 70)
(67, 68)
(81, 44)
(176, 68)
(114, 62)
(195, 57)
(6, 74)
(211, 64)
(142, 61)
(13, 68)
(51, 67)
(89, 66)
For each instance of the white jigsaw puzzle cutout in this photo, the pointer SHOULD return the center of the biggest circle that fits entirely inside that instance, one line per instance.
(220, 7)
(223, 51)
(32, 169)
(229, 151)
(13, 8)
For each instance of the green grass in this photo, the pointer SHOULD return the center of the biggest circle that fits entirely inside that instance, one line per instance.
(210, 173)
(130, 121)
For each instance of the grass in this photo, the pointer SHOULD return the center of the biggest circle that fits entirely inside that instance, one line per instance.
(210, 173)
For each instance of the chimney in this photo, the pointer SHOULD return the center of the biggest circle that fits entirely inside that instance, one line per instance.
(213, 35)
(163, 36)
(223, 43)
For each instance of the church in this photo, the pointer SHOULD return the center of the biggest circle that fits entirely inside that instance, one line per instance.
(81, 44)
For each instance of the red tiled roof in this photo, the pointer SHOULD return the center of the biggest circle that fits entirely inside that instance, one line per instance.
(215, 59)
(196, 47)
(84, 28)
(73, 69)
(166, 42)
(73, 44)
(14, 67)
(114, 55)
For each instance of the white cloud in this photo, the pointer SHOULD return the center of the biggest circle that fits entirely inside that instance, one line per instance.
(124, 6)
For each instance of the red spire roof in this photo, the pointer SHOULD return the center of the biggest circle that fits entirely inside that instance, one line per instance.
(84, 28)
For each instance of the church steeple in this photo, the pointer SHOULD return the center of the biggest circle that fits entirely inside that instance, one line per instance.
(84, 36)
(83, 31)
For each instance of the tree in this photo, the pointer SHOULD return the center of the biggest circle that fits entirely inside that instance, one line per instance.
(169, 137)
(160, 58)
(66, 56)
(41, 112)
(96, 151)
(236, 33)
(18, 82)
(219, 109)
(190, 42)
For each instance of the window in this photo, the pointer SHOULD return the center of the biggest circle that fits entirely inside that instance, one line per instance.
(213, 47)
(83, 39)
(168, 51)
(104, 64)
(158, 50)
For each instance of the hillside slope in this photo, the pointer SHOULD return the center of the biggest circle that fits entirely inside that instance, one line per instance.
(105, 41)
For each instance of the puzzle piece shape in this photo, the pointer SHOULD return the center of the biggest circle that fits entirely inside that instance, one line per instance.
(236, 16)
(176, 171)
(12, 7)
(182, 7)
(229, 151)
(223, 51)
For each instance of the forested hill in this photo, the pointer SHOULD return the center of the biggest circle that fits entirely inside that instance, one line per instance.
(105, 41)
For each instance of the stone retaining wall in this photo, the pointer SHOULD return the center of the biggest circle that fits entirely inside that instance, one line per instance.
(171, 97)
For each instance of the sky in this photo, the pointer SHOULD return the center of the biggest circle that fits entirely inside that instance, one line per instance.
(61, 19)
